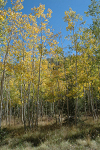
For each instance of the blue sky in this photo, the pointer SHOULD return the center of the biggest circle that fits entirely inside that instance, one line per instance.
(58, 7)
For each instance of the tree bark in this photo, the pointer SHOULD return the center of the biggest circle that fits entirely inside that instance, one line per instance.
(2, 80)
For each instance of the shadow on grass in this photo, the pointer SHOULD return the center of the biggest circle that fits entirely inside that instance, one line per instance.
(84, 129)
(50, 127)
(34, 141)
(3, 134)
(18, 135)
(36, 138)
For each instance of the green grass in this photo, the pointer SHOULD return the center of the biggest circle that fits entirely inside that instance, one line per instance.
(85, 136)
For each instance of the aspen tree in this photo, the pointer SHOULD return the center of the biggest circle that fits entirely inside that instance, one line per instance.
(45, 39)
(33, 32)
(94, 12)
(10, 29)
(71, 18)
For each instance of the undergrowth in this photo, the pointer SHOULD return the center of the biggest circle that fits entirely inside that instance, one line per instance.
(86, 135)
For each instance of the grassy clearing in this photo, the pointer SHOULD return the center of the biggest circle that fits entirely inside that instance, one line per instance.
(49, 136)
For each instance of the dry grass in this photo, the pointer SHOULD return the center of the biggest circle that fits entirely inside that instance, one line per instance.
(49, 136)
(13, 123)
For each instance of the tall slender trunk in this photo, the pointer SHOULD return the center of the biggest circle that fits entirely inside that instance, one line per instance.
(37, 113)
(2, 80)
(21, 102)
(29, 117)
(76, 105)
(14, 114)
(67, 105)
(33, 72)
(46, 109)
(53, 107)
(66, 91)
(41, 110)
(24, 100)
(66, 83)
(99, 81)
(85, 101)
(38, 90)
(24, 108)
(10, 110)
(92, 99)
(32, 107)
(7, 108)
(59, 100)
(89, 97)
(1, 106)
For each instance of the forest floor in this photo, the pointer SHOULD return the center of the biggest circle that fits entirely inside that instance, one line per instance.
(49, 136)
